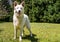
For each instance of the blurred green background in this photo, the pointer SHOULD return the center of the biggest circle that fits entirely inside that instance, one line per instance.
(37, 10)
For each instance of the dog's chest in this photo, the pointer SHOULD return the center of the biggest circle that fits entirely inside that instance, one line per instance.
(18, 21)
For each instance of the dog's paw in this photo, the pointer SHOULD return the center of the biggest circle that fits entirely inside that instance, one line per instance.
(31, 35)
(20, 39)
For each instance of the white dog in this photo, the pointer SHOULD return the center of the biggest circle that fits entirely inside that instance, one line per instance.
(20, 19)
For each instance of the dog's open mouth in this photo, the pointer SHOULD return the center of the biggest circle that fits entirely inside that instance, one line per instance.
(19, 12)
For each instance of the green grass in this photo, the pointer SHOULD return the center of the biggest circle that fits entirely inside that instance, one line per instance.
(42, 32)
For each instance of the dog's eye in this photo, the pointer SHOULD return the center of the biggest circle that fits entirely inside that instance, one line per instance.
(21, 8)
(17, 7)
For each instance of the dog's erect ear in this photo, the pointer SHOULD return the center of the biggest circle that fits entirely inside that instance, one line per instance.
(22, 3)
(15, 3)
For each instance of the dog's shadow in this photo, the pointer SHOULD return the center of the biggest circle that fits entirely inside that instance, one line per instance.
(33, 39)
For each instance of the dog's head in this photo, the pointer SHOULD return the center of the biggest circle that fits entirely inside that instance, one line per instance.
(19, 8)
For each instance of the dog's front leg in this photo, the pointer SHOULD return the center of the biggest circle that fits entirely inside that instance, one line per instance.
(15, 32)
(21, 31)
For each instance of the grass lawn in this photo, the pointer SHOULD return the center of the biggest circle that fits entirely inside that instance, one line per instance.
(42, 32)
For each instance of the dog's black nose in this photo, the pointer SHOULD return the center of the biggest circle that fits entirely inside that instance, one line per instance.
(19, 10)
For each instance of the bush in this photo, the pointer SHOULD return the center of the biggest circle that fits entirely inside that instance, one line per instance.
(43, 10)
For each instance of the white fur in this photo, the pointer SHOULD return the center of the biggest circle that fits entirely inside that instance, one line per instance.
(19, 20)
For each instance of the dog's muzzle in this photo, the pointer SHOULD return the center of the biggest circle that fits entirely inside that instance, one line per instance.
(19, 12)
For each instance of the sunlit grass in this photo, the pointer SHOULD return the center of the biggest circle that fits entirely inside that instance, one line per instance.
(42, 32)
